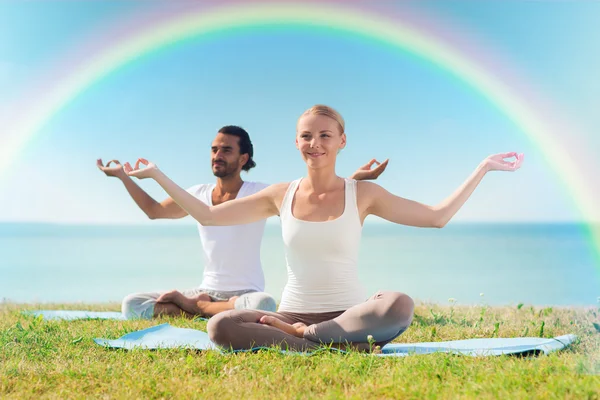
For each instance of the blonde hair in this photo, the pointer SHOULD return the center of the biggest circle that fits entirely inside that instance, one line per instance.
(320, 109)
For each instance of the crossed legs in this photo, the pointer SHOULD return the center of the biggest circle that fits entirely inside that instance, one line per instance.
(383, 317)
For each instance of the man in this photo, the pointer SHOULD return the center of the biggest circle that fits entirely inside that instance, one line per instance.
(233, 276)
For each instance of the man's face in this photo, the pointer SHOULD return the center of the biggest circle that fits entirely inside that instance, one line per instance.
(225, 156)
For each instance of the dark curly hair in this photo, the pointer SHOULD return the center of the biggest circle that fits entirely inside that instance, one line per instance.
(244, 142)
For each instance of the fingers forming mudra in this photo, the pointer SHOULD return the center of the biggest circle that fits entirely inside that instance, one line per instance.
(140, 173)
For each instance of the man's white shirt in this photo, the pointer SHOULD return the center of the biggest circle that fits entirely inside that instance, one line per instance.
(231, 253)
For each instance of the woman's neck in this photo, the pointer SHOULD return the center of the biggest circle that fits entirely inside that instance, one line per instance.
(321, 180)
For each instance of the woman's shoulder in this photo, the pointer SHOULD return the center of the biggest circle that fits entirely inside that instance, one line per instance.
(369, 191)
(367, 187)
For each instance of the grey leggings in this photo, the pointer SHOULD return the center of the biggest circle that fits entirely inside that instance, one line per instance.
(384, 316)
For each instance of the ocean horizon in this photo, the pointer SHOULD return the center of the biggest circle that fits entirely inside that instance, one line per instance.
(542, 264)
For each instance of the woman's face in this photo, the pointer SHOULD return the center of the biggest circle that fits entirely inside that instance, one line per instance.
(319, 139)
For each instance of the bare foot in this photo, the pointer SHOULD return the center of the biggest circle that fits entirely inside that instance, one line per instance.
(191, 304)
(187, 304)
(169, 297)
(296, 329)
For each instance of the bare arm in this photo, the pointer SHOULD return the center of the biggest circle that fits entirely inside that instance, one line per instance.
(396, 209)
(167, 209)
(244, 210)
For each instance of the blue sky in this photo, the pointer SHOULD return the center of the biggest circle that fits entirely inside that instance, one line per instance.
(168, 106)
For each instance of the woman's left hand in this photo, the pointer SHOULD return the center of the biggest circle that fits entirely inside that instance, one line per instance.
(497, 162)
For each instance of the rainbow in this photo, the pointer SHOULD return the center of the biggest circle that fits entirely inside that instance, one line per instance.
(332, 17)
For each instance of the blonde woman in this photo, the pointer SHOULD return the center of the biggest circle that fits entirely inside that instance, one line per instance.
(321, 217)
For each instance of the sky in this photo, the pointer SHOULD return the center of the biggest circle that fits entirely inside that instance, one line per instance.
(168, 106)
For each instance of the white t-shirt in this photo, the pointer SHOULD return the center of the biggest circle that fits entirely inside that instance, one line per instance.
(231, 253)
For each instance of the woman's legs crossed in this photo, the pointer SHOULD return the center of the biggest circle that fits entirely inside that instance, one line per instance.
(384, 316)
(241, 330)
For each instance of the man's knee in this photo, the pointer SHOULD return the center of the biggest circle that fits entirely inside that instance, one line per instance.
(256, 301)
(137, 306)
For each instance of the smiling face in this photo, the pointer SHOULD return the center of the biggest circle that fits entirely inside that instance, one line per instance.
(319, 138)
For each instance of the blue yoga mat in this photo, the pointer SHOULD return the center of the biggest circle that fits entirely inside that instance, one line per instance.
(162, 336)
(70, 315)
(166, 336)
(482, 347)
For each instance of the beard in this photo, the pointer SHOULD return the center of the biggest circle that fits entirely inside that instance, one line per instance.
(225, 169)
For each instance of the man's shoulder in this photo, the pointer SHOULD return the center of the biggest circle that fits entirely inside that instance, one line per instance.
(196, 190)
(254, 187)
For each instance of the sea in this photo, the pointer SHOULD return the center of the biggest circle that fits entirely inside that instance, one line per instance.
(542, 264)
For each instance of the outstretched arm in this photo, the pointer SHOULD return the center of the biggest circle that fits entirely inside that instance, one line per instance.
(396, 209)
(245, 210)
(167, 209)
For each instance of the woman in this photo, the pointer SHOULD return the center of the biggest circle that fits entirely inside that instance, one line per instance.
(321, 218)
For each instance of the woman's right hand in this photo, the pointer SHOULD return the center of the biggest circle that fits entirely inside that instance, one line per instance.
(149, 171)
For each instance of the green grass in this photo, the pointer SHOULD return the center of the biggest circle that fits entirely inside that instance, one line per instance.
(40, 359)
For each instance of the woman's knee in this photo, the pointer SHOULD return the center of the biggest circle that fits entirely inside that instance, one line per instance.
(219, 328)
(227, 328)
(401, 307)
(397, 316)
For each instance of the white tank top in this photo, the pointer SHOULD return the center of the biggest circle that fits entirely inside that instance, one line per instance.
(322, 258)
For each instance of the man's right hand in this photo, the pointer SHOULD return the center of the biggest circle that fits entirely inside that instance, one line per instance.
(116, 170)
(167, 209)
